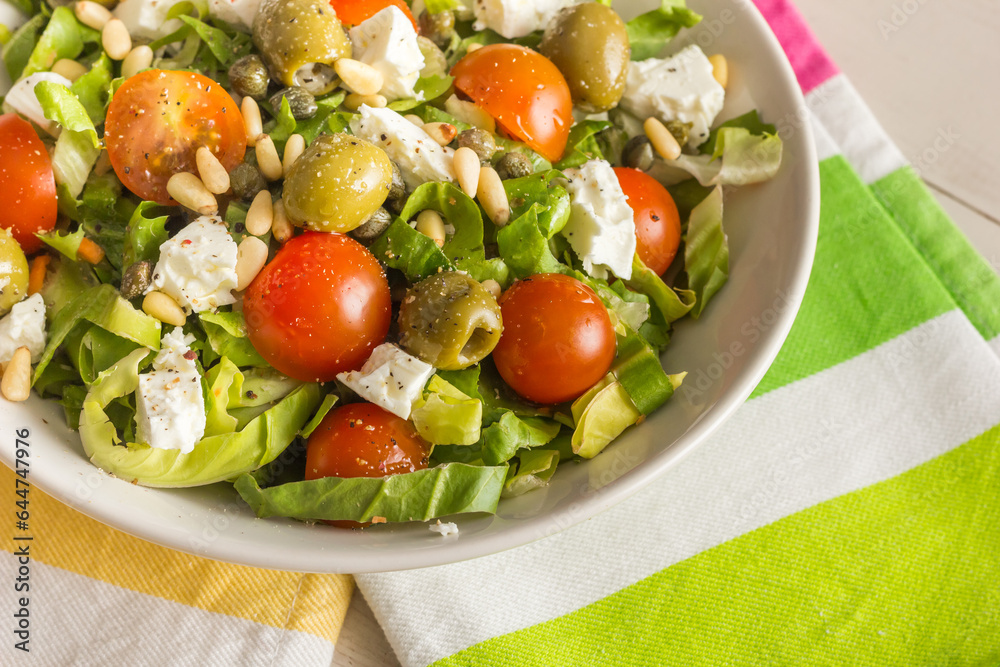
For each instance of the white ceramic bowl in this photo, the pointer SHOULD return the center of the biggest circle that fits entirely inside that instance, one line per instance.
(772, 232)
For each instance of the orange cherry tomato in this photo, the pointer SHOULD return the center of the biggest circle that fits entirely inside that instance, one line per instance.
(353, 12)
(657, 222)
(523, 91)
(27, 185)
(158, 120)
(319, 307)
(557, 341)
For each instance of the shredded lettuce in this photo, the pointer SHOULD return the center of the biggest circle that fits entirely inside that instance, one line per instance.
(465, 246)
(144, 233)
(738, 158)
(93, 89)
(648, 33)
(503, 438)
(673, 304)
(225, 388)
(328, 402)
(749, 121)
(227, 46)
(638, 369)
(63, 37)
(553, 208)
(534, 470)
(226, 335)
(326, 118)
(706, 251)
(447, 416)
(17, 50)
(582, 145)
(524, 248)
(404, 248)
(78, 145)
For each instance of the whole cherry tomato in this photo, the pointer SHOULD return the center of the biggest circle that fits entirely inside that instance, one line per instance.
(657, 223)
(353, 12)
(27, 184)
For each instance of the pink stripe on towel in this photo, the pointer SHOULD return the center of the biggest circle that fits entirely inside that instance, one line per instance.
(811, 64)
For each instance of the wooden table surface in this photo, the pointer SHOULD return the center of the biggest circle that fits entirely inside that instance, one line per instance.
(923, 67)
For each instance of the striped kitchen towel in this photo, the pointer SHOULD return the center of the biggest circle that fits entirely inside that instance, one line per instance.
(849, 513)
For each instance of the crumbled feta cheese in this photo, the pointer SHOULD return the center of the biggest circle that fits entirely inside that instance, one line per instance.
(147, 19)
(601, 228)
(240, 13)
(681, 87)
(391, 379)
(388, 42)
(23, 326)
(22, 99)
(419, 157)
(444, 529)
(198, 266)
(516, 18)
(170, 405)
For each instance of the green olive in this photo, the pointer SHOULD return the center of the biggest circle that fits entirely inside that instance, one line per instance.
(300, 40)
(301, 103)
(450, 321)
(589, 44)
(248, 77)
(13, 272)
(246, 181)
(337, 183)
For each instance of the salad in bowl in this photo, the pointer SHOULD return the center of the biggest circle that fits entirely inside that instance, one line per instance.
(366, 262)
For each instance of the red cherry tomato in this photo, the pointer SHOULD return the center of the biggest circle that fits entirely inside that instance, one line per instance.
(657, 222)
(557, 339)
(158, 120)
(523, 91)
(27, 185)
(319, 307)
(353, 12)
(363, 440)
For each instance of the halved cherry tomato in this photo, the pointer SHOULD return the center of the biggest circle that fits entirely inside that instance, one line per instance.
(27, 185)
(353, 12)
(158, 120)
(557, 340)
(526, 94)
(319, 307)
(363, 440)
(657, 222)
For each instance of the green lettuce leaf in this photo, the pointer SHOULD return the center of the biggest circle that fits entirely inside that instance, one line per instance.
(672, 304)
(225, 388)
(328, 402)
(601, 415)
(638, 370)
(226, 46)
(534, 470)
(460, 211)
(404, 248)
(582, 145)
(66, 244)
(503, 438)
(749, 121)
(93, 89)
(63, 37)
(648, 33)
(739, 158)
(78, 146)
(145, 233)
(524, 249)
(447, 416)
(17, 50)
(687, 194)
(553, 200)
(326, 118)
(706, 251)
(227, 337)
(453, 488)
(93, 350)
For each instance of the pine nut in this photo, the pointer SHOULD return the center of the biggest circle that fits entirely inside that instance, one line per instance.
(260, 217)
(431, 225)
(116, 40)
(493, 197)
(294, 147)
(251, 120)
(281, 227)
(251, 257)
(493, 287)
(466, 164)
(70, 69)
(16, 382)
(359, 77)
(92, 14)
(467, 112)
(354, 101)
(473, 47)
(213, 174)
(191, 193)
(138, 59)
(720, 69)
(267, 158)
(663, 142)
(415, 119)
(442, 133)
(164, 308)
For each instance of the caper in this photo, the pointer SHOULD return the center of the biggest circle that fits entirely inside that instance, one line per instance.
(480, 141)
(372, 228)
(248, 77)
(680, 130)
(450, 321)
(638, 153)
(590, 46)
(246, 181)
(13, 272)
(300, 101)
(397, 190)
(337, 183)
(439, 28)
(514, 165)
(300, 40)
(135, 279)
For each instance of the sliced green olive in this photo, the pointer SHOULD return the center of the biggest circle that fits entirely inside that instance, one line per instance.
(300, 40)
(13, 272)
(450, 321)
(337, 183)
(589, 44)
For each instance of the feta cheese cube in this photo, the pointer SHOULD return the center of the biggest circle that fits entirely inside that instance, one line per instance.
(22, 99)
(516, 18)
(388, 42)
(419, 157)
(601, 229)
(681, 87)
(170, 405)
(23, 326)
(239, 13)
(198, 266)
(147, 19)
(391, 379)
